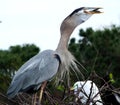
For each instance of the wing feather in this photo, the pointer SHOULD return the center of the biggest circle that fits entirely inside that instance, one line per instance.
(38, 69)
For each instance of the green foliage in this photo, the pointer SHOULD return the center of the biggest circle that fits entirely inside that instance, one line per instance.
(11, 60)
(99, 50)
(61, 88)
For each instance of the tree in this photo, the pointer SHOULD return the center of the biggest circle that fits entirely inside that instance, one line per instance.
(99, 50)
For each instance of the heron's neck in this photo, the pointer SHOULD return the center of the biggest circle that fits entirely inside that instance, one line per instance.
(65, 36)
(63, 43)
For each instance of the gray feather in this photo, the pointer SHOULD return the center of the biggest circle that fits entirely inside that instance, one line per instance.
(38, 69)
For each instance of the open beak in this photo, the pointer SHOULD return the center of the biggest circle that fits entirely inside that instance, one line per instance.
(92, 10)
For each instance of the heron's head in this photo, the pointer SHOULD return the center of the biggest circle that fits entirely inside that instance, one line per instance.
(76, 86)
(78, 16)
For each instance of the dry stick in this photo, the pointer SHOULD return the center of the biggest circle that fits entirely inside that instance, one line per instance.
(19, 98)
(34, 98)
(96, 96)
(105, 86)
(26, 98)
(82, 90)
(5, 100)
(52, 101)
(89, 99)
(115, 91)
(41, 92)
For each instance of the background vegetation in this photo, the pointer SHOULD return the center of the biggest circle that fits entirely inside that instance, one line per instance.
(99, 50)
(96, 50)
(11, 60)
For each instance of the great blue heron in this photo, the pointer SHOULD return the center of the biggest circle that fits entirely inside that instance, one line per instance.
(87, 92)
(45, 65)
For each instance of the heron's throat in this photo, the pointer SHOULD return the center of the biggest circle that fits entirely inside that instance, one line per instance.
(65, 36)
(63, 43)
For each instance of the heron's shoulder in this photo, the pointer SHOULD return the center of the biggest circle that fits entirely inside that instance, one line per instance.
(46, 52)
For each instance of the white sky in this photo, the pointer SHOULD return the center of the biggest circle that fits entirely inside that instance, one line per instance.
(38, 21)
